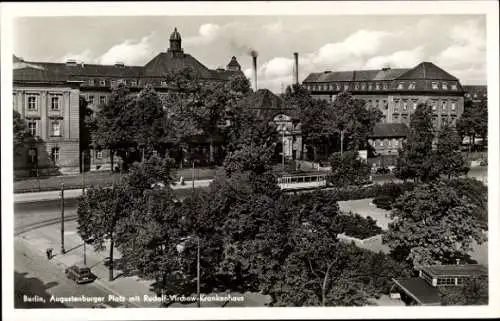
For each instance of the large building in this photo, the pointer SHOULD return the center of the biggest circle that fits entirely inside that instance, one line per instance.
(47, 96)
(396, 93)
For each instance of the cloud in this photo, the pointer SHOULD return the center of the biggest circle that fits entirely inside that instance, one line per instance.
(274, 28)
(129, 52)
(207, 33)
(85, 56)
(468, 46)
(398, 59)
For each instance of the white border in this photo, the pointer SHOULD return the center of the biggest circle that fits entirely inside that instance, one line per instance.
(11, 10)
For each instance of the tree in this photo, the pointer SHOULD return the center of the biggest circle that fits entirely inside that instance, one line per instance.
(21, 132)
(348, 169)
(352, 121)
(474, 121)
(448, 157)
(416, 159)
(473, 292)
(475, 192)
(148, 120)
(252, 158)
(115, 125)
(433, 225)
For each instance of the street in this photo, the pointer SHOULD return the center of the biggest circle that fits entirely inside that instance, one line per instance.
(36, 277)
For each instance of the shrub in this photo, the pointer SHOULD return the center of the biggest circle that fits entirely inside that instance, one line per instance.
(383, 202)
(357, 226)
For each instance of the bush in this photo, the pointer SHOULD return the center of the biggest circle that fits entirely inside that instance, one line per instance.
(383, 202)
(355, 225)
(393, 190)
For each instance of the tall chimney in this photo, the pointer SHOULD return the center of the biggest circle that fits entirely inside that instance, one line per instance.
(254, 59)
(296, 69)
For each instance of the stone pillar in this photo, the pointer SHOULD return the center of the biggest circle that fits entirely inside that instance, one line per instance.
(65, 113)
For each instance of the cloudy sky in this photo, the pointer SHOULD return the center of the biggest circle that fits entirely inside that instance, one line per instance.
(457, 43)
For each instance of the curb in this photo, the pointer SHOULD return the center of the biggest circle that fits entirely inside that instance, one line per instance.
(97, 281)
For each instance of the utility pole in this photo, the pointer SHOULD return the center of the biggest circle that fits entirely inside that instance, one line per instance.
(83, 172)
(62, 219)
(198, 273)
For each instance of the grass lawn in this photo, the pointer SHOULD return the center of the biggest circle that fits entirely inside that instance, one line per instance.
(51, 183)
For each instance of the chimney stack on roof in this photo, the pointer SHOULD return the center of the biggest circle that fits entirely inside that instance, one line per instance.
(296, 68)
(254, 59)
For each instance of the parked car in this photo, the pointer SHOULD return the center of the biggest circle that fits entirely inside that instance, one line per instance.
(79, 274)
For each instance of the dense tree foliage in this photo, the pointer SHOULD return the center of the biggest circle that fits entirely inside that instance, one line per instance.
(20, 129)
(473, 292)
(416, 158)
(448, 158)
(433, 225)
(348, 169)
(473, 122)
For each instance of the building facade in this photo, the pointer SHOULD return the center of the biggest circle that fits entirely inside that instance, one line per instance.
(395, 92)
(47, 96)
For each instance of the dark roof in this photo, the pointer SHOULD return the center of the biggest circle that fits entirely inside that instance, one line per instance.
(233, 63)
(389, 130)
(427, 70)
(456, 270)
(356, 75)
(267, 105)
(169, 62)
(419, 290)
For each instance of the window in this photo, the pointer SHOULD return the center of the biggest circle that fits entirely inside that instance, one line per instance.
(389, 143)
(396, 142)
(411, 86)
(396, 104)
(414, 105)
(370, 86)
(376, 102)
(54, 154)
(338, 86)
(56, 128)
(164, 83)
(405, 118)
(346, 87)
(113, 83)
(385, 86)
(363, 86)
(356, 86)
(32, 103)
(133, 83)
(98, 154)
(405, 105)
(444, 86)
(377, 86)
(435, 85)
(54, 103)
(446, 281)
(91, 82)
(433, 105)
(330, 87)
(102, 82)
(102, 100)
(386, 106)
(155, 153)
(381, 143)
(453, 105)
(400, 86)
(91, 100)
(444, 105)
(32, 127)
(453, 86)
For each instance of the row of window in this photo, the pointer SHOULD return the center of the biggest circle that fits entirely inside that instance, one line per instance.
(55, 127)
(91, 100)
(54, 155)
(33, 102)
(112, 83)
(388, 142)
(377, 86)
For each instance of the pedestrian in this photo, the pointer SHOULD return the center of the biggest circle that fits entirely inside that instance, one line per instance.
(181, 180)
(49, 253)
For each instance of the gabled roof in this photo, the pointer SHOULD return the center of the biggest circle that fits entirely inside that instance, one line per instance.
(389, 130)
(427, 70)
(356, 75)
(267, 105)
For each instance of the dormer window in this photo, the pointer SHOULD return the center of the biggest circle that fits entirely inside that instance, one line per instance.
(445, 86)
(133, 83)
(453, 105)
(91, 82)
(113, 83)
(435, 85)
(163, 83)
(363, 86)
(385, 86)
(346, 87)
(102, 82)
(400, 86)
(338, 86)
(453, 86)
(411, 86)
(356, 86)
(331, 87)
(405, 105)
(370, 86)
(377, 86)
(444, 105)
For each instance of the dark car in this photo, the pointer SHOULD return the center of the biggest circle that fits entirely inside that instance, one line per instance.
(79, 274)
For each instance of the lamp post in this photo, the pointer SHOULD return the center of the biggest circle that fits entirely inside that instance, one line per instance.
(180, 248)
(62, 219)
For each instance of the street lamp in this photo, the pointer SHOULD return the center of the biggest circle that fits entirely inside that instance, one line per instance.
(180, 248)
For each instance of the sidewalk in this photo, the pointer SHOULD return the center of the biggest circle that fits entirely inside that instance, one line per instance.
(126, 286)
(74, 193)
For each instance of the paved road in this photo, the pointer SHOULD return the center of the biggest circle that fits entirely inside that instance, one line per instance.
(35, 276)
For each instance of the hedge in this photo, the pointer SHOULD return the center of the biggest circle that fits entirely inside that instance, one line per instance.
(355, 225)
(393, 190)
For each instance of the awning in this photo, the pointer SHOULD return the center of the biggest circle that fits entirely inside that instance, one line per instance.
(418, 289)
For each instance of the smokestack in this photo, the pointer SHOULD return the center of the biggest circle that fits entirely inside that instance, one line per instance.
(254, 59)
(296, 69)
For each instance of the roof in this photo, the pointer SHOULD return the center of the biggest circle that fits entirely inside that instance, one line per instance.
(419, 290)
(169, 62)
(356, 75)
(389, 130)
(175, 35)
(268, 105)
(233, 63)
(427, 70)
(456, 270)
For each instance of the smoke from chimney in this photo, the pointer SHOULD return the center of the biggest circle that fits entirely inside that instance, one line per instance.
(254, 59)
(296, 68)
